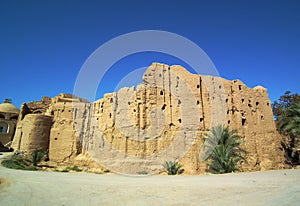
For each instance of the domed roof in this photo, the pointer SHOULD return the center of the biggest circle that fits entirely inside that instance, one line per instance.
(9, 108)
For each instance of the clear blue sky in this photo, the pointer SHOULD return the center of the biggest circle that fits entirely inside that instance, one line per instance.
(43, 44)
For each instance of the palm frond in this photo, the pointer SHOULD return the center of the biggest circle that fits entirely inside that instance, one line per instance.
(227, 152)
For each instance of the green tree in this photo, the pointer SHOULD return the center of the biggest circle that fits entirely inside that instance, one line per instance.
(284, 102)
(286, 114)
(226, 150)
(288, 125)
(289, 120)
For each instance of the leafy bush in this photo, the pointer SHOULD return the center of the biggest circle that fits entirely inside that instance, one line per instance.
(172, 167)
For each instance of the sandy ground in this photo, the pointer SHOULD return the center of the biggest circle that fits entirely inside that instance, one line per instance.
(55, 188)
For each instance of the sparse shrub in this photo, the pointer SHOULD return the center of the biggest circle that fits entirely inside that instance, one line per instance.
(18, 162)
(68, 169)
(142, 172)
(74, 168)
(172, 167)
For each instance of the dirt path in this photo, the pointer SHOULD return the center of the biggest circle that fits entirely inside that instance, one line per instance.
(53, 188)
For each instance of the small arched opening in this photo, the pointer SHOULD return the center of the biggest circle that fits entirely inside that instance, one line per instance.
(4, 128)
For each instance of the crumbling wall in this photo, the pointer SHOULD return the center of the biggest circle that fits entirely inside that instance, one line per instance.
(249, 111)
(164, 118)
(64, 144)
(39, 107)
(167, 116)
(32, 133)
(49, 125)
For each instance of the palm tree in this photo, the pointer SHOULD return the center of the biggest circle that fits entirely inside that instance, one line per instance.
(37, 157)
(226, 151)
(172, 167)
